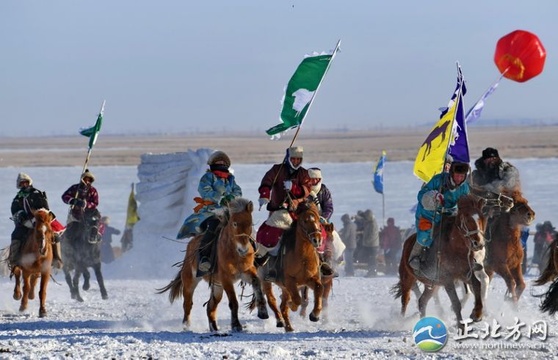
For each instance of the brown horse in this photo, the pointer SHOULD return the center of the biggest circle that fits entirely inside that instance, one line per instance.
(234, 261)
(455, 255)
(300, 266)
(36, 261)
(504, 253)
(327, 282)
(550, 274)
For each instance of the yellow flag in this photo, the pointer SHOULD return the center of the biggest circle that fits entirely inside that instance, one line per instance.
(432, 153)
(132, 212)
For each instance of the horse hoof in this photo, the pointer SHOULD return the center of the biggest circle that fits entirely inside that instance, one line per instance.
(237, 328)
(280, 324)
(79, 299)
(104, 296)
(17, 297)
(86, 286)
(42, 313)
(289, 329)
(262, 314)
(314, 318)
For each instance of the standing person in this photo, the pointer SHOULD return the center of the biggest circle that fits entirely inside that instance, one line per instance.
(348, 236)
(495, 175)
(84, 199)
(371, 241)
(543, 238)
(439, 195)
(217, 187)
(392, 243)
(107, 252)
(285, 185)
(524, 236)
(29, 199)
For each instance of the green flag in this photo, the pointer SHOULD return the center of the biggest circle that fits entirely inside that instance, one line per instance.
(301, 90)
(93, 131)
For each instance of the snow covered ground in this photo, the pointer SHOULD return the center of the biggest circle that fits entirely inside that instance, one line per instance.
(363, 318)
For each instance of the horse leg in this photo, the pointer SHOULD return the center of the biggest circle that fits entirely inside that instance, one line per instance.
(285, 300)
(214, 299)
(26, 287)
(476, 313)
(328, 284)
(424, 298)
(75, 285)
(318, 298)
(510, 283)
(304, 297)
(294, 299)
(455, 303)
(32, 284)
(100, 280)
(17, 288)
(272, 301)
(520, 283)
(43, 293)
(233, 305)
(252, 278)
(68, 277)
(406, 283)
(86, 280)
(189, 284)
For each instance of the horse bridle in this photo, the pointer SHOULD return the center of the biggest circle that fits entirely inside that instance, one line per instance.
(468, 234)
(308, 234)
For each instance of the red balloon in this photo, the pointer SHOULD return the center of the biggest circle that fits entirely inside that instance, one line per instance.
(522, 54)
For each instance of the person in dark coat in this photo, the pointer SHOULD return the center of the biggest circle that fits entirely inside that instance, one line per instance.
(392, 244)
(320, 194)
(348, 236)
(495, 175)
(84, 199)
(285, 185)
(28, 199)
(107, 231)
(371, 241)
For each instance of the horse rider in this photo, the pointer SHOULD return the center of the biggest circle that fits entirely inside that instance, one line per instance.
(321, 196)
(84, 199)
(28, 199)
(217, 187)
(438, 196)
(495, 175)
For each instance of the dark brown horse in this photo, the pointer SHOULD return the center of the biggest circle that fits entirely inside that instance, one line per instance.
(36, 261)
(504, 253)
(300, 266)
(456, 249)
(550, 274)
(235, 261)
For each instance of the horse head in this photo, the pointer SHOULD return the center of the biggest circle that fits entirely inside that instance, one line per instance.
(239, 226)
(42, 231)
(471, 221)
(521, 213)
(308, 223)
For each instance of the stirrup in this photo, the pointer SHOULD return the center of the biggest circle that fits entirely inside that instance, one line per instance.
(326, 270)
(204, 265)
(271, 275)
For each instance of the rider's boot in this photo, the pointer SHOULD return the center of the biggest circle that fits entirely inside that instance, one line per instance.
(204, 249)
(15, 247)
(57, 253)
(417, 256)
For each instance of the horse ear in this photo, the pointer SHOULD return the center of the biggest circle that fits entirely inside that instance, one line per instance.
(250, 206)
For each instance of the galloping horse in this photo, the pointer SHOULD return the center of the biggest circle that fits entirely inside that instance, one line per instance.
(327, 282)
(78, 254)
(36, 261)
(504, 253)
(456, 255)
(235, 261)
(300, 266)
(550, 274)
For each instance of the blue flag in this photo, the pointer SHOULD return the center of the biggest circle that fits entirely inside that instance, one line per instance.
(379, 174)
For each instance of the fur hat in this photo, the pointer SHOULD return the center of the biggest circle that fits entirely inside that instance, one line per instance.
(458, 167)
(489, 152)
(449, 159)
(219, 156)
(88, 174)
(23, 177)
(296, 151)
(314, 173)
(105, 220)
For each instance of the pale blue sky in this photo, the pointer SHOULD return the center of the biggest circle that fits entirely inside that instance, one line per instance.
(180, 66)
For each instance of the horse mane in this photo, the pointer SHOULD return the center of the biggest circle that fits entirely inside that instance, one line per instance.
(42, 216)
(238, 205)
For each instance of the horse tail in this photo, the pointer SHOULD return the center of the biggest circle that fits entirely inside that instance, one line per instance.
(396, 290)
(550, 299)
(252, 304)
(175, 287)
(550, 271)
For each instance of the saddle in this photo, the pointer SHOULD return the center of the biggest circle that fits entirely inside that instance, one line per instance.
(429, 261)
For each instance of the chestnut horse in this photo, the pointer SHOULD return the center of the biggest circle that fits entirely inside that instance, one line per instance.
(504, 253)
(36, 261)
(550, 274)
(327, 282)
(300, 266)
(234, 261)
(456, 248)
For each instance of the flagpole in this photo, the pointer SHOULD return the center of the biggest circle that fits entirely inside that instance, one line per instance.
(497, 81)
